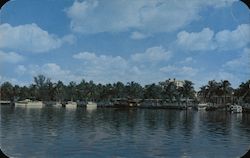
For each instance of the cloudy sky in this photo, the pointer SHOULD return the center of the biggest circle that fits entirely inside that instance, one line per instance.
(123, 40)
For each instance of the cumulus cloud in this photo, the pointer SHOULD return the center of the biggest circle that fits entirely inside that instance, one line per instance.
(101, 60)
(138, 35)
(85, 56)
(21, 69)
(238, 38)
(196, 41)
(93, 16)
(51, 70)
(184, 71)
(153, 54)
(242, 62)
(9, 79)
(102, 68)
(10, 57)
(207, 40)
(105, 68)
(29, 37)
(188, 60)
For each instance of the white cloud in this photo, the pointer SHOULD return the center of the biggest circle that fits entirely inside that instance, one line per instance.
(106, 69)
(223, 75)
(10, 57)
(29, 37)
(196, 41)
(8, 79)
(102, 68)
(85, 56)
(70, 39)
(235, 39)
(138, 35)
(207, 40)
(188, 60)
(218, 3)
(21, 69)
(101, 61)
(55, 72)
(50, 70)
(241, 63)
(153, 54)
(184, 71)
(93, 16)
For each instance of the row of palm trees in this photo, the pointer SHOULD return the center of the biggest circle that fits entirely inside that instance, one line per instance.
(222, 92)
(45, 90)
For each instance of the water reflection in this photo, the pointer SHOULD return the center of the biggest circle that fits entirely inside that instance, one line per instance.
(60, 132)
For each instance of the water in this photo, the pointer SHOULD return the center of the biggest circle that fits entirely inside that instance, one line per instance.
(114, 133)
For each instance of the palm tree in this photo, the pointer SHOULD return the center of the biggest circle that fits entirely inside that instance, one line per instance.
(42, 84)
(152, 91)
(119, 90)
(134, 90)
(213, 89)
(169, 90)
(203, 93)
(7, 91)
(60, 91)
(226, 89)
(243, 92)
(187, 90)
(71, 91)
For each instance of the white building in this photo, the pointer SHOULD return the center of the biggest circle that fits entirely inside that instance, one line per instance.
(178, 83)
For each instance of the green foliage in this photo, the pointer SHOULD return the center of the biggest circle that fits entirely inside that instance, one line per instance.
(7, 91)
(44, 89)
(243, 92)
(214, 90)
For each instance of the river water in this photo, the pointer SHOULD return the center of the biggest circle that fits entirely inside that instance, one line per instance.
(122, 133)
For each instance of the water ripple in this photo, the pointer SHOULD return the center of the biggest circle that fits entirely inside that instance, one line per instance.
(52, 132)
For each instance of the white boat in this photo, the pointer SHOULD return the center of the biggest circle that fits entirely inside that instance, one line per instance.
(91, 105)
(236, 108)
(71, 105)
(57, 104)
(202, 106)
(27, 103)
(4, 102)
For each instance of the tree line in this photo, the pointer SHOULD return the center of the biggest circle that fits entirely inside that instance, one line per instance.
(45, 90)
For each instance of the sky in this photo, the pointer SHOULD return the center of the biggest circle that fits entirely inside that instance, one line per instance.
(146, 41)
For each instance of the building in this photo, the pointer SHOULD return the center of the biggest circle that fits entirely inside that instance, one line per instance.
(178, 83)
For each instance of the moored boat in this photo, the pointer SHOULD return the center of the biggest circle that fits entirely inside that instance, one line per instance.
(5, 102)
(202, 106)
(71, 105)
(91, 106)
(57, 104)
(126, 103)
(27, 103)
(235, 108)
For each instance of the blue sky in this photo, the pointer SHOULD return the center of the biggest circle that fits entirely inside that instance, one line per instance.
(145, 41)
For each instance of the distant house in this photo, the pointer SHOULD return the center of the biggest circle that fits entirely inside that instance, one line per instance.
(178, 83)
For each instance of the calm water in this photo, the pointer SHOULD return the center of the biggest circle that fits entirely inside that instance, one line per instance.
(112, 133)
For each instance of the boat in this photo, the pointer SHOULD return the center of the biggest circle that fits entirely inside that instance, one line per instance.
(202, 106)
(91, 105)
(235, 108)
(4, 102)
(126, 103)
(57, 104)
(71, 105)
(27, 103)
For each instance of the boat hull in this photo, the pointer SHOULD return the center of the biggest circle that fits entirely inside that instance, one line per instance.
(91, 106)
(32, 104)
